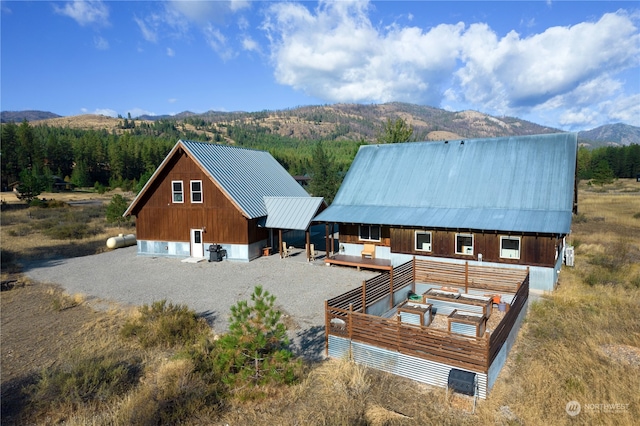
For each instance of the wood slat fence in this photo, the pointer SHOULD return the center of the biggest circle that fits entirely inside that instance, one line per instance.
(345, 315)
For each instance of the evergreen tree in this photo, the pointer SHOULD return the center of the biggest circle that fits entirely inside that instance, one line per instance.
(602, 173)
(254, 351)
(116, 208)
(324, 179)
(9, 154)
(32, 183)
(395, 132)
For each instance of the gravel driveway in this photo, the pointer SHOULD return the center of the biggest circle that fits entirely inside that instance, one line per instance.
(210, 289)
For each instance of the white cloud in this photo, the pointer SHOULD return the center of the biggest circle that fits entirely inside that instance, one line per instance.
(100, 43)
(250, 44)
(217, 41)
(170, 52)
(335, 53)
(338, 55)
(100, 111)
(85, 12)
(148, 28)
(172, 100)
(510, 73)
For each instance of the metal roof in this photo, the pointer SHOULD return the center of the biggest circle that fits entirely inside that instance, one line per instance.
(291, 212)
(518, 183)
(245, 175)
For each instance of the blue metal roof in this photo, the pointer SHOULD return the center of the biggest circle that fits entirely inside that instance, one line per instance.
(246, 175)
(291, 212)
(519, 183)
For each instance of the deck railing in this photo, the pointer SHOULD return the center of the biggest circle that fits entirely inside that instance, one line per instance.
(345, 315)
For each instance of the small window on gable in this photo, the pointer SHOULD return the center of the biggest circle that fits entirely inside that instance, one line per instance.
(196, 191)
(464, 244)
(510, 247)
(370, 232)
(423, 241)
(177, 191)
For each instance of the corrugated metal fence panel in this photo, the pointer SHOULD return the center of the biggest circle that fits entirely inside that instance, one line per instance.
(421, 370)
(380, 307)
(466, 329)
(339, 347)
(410, 318)
(501, 358)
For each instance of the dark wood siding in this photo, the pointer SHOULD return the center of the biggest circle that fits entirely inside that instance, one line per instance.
(534, 250)
(349, 233)
(158, 218)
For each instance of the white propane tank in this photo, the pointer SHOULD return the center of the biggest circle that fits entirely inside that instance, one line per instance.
(121, 241)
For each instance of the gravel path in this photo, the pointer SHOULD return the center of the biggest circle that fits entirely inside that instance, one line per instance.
(209, 288)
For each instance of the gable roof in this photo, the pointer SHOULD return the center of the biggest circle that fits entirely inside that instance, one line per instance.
(245, 176)
(291, 212)
(519, 184)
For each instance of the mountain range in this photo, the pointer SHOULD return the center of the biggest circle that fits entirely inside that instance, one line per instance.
(349, 121)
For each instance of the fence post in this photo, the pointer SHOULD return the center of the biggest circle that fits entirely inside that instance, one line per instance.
(327, 324)
(487, 339)
(466, 276)
(350, 322)
(413, 274)
(391, 289)
(364, 297)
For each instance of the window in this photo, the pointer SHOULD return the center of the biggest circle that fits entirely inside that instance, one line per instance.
(464, 244)
(423, 241)
(196, 191)
(510, 247)
(370, 232)
(176, 191)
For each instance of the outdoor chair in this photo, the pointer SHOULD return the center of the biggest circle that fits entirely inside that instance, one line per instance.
(286, 251)
(312, 252)
(369, 250)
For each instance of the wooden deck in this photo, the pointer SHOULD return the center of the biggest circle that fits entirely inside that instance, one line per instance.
(360, 262)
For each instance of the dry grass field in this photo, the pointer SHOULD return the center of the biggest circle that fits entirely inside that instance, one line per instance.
(581, 343)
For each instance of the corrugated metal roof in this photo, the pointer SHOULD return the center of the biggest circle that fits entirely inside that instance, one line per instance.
(291, 212)
(519, 183)
(246, 175)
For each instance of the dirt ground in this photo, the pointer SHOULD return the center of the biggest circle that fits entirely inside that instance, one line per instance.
(34, 333)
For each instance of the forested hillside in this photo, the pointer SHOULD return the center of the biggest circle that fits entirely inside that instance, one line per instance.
(316, 140)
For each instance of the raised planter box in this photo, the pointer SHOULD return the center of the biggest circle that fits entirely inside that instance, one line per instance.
(467, 323)
(415, 313)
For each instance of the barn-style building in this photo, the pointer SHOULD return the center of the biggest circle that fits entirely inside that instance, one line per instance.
(498, 201)
(205, 194)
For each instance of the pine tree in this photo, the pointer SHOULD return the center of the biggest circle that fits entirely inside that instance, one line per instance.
(324, 178)
(255, 349)
(395, 132)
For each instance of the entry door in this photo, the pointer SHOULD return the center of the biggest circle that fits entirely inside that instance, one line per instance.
(197, 246)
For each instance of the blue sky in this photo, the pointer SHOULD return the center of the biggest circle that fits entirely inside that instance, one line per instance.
(568, 64)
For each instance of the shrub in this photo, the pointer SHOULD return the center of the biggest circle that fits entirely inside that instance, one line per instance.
(71, 231)
(169, 395)
(20, 231)
(165, 325)
(37, 202)
(100, 188)
(116, 209)
(56, 204)
(85, 379)
(636, 215)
